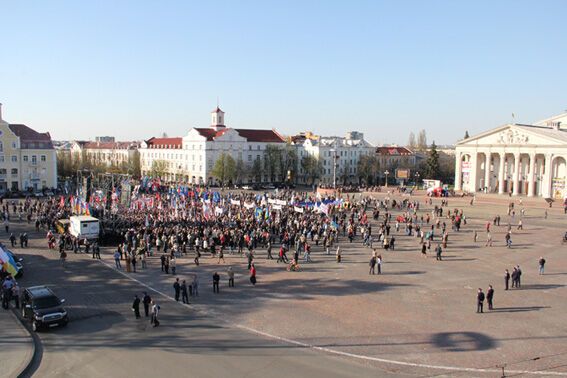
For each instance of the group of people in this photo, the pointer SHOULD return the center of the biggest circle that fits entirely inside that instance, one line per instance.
(151, 308)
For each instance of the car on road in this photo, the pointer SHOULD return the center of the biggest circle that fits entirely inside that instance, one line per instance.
(43, 308)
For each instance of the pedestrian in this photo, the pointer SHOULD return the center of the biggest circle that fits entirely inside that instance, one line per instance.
(508, 239)
(541, 265)
(438, 251)
(338, 254)
(475, 236)
(117, 259)
(489, 297)
(488, 240)
(143, 259)
(230, 277)
(253, 275)
(16, 294)
(162, 259)
(173, 265)
(136, 306)
(479, 301)
(146, 301)
(506, 279)
(177, 289)
(515, 277)
(269, 250)
(62, 258)
(7, 286)
(379, 264)
(372, 264)
(134, 262)
(423, 249)
(519, 277)
(221, 256)
(128, 262)
(216, 279)
(155, 312)
(184, 296)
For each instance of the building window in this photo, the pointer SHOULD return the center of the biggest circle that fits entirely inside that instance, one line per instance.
(34, 159)
(43, 158)
(14, 159)
(14, 171)
(25, 157)
(1, 146)
(1, 158)
(14, 145)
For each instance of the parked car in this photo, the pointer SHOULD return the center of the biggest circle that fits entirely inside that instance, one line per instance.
(246, 187)
(43, 308)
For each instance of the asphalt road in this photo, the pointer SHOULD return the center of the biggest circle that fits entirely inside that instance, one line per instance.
(103, 338)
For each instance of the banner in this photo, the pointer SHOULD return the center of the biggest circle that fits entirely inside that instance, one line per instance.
(277, 207)
(249, 205)
(298, 209)
(234, 202)
(281, 202)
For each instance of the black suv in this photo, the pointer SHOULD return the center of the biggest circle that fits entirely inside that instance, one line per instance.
(42, 307)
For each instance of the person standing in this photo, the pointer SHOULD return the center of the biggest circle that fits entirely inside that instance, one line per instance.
(16, 294)
(146, 301)
(515, 278)
(184, 295)
(379, 264)
(479, 301)
(177, 289)
(489, 297)
(338, 253)
(488, 240)
(230, 277)
(506, 279)
(134, 262)
(438, 251)
(117, 259)
(541, 265)
(519, 277)
(269, 248)
(136, 306)
(173, 265)
(253, 275)
(372, 265)
(216, 279)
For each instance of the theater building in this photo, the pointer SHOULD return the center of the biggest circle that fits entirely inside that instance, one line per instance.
(518, 159)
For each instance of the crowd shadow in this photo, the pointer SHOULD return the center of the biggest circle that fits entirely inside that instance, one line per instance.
(518, 309)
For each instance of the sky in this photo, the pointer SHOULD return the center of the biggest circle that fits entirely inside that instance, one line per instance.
(137, 69)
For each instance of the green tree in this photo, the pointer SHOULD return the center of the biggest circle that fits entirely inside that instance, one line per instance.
(368, 168)
(230, 168)
(272, 161)
(311, 169)
(256, 171)
(134, 165)
(288, 163)
(242, 171)
(432, 170)
(159, 168)
(224, 169)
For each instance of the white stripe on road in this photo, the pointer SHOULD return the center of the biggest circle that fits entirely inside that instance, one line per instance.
(347, 354)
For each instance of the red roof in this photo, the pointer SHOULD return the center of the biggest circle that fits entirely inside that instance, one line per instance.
(164, 142)
(265, 136)
(217, 110)
(393, 151)
(207, 132)
(28, 136)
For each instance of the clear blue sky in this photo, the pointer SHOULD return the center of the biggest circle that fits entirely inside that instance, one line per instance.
(135, 69)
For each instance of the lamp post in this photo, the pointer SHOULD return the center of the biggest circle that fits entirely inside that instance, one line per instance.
(335, 157)
(386, 173)
(417, 178)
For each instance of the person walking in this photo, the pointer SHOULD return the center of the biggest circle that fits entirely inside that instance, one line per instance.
(379, 264)
(146, 300)
(338, 254)
(134, 262)
(479, 301)
(184, 295)
(173, 265)
(508, 239)
(488, 239)
(136, 306)
(438, 251)
(253, 275)
(489, 297)
(155, 313)
(177, 289)
(230, 273)
(541, 265)
(216, 279)
(506, 279)
(372, 265)
(269, 250)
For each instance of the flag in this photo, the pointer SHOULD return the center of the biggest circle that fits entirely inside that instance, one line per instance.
(8, 262)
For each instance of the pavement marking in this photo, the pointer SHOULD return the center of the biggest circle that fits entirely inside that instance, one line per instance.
(342, 353)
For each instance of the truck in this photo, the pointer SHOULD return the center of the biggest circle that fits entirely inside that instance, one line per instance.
(84, 227)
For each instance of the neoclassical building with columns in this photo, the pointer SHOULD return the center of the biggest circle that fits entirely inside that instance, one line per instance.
(527, 160)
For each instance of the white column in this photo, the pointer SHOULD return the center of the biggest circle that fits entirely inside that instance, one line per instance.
(473, 181)
(501, 173)
(516, 188)
(546, 183)
(531, 176)
(458, 172)
(487, 171)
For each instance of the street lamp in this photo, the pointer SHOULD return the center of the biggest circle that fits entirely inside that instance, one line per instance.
(386, 173)
(417, 178)
(335, 157)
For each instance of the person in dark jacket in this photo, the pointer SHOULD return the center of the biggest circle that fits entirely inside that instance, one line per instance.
(489, 296)
(146, 300)
(479, 301)
(136, 306)
(506, 279)
(177, 289)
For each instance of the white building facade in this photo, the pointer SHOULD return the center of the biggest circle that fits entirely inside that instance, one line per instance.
(191, 158)
(338, 156)
(105, 151)
(515, 159)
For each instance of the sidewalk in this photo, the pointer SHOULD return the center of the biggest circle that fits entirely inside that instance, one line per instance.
(16, 345)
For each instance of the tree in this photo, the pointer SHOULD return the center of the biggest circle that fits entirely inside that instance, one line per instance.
(134, 165)
(224, 169)
(432, 170)
(368, 168)
(272, 161)
(311, 169)
(411, 141)
(288, 162)
(422, 141)
(466, 135)
(256, 171)
(159, 168)
(242, 171)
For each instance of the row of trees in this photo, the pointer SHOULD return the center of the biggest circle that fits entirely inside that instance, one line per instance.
(68, 164)
(419, 144)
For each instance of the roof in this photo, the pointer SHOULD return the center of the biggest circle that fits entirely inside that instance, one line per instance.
(265, 136)
(251, 135)
(164, 142)
(83, 218)
(544, 131)
(217, 110)
(110, 145)
(29, 137)
(393, 150)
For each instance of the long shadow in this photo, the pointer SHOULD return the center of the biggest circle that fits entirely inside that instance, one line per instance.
(404, 273)
(541, 286)
(518, 309)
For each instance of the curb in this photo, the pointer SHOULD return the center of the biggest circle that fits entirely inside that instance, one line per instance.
(33, 360)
